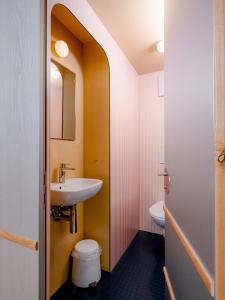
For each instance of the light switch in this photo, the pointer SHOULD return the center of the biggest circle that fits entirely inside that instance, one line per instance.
(162, 156)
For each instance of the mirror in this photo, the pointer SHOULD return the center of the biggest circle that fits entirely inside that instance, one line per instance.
(62, 101)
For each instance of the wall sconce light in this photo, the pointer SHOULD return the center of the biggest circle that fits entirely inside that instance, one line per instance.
(160, 46)
(55, 73)
(61, 48)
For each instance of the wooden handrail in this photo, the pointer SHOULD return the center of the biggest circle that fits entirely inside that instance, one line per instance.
(169, 284)
(18, 239)
(199, 266)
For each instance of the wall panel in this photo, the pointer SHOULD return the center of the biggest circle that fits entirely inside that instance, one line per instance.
(124, 132)
(151, 143)
(96, 145)
(124, 150)
(219, 33)
(62, 151)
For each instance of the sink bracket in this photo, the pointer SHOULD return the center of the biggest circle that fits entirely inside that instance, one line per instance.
(65, 213)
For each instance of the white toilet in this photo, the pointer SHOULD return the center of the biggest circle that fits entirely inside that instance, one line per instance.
(157, 213)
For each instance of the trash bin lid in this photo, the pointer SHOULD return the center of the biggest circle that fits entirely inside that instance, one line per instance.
(86, 248)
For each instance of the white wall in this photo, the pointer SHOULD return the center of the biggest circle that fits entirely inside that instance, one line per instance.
(151, 142)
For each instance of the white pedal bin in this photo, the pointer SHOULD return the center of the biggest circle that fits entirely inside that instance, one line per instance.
(86, 263)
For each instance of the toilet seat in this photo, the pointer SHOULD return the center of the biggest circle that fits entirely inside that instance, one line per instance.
(156, 210)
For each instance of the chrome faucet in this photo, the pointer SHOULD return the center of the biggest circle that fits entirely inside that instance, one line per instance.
(62, 171)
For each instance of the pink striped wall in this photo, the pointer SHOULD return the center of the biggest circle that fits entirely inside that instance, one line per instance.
(151, 142)
(124, 167)
(124, 133)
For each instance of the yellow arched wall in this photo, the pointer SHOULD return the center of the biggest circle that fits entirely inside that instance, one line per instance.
(62, 242)
(96, 144)
(89, 153)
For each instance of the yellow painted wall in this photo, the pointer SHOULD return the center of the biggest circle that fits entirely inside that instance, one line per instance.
(71, 152)
(89, 153)
(96, 144)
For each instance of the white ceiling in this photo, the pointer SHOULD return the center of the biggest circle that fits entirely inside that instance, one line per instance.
(136, 26)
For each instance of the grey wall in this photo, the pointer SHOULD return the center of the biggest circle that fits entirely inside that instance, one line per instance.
(21, 132)
(189, 139)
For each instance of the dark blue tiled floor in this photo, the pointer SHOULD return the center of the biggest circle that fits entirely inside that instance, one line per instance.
(137, 276)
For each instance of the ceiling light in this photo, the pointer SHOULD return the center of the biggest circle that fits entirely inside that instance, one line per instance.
(160, 46)
(61, 48)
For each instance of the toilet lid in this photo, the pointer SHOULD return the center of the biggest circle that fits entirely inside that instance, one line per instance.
(86, 247)
(156, 210)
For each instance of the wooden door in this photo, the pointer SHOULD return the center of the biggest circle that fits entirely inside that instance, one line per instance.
(22, 149)
(219, 33)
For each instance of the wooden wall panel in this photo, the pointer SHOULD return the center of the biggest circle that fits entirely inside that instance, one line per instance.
(124, 162)
(151, 143)
(96, 145)
(62, 242)
(220, 144)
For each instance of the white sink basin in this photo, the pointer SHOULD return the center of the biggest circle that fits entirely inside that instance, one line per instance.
(74, 191)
